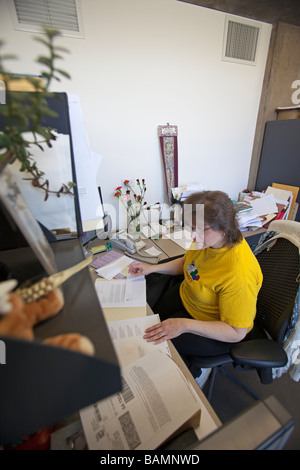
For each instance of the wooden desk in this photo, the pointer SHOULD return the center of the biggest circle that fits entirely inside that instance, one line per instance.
(149, 244)
(170, 249)
(209, 421)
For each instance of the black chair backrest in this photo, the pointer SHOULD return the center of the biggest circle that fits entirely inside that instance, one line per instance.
(276, 299)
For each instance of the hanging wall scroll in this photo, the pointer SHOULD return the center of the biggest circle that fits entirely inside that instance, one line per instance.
(169, 149)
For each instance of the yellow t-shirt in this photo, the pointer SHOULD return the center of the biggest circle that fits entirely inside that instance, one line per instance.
(222, 284)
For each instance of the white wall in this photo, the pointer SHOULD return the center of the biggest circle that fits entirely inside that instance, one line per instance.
(144, 63)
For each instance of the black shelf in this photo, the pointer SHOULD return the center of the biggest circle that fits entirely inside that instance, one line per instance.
(41, 384)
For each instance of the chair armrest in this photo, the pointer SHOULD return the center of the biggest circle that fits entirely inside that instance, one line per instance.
(259, 353)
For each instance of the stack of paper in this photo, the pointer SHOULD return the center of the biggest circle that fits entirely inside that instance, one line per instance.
(293, 194)
(261, 206)
(274, 203)
(249, 220)
(283, 201)
(145, 413)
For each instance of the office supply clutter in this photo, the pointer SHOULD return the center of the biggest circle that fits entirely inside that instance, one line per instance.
(242, 207)
(132, 245)
(180, 193)
(277, 202)
(126, 242)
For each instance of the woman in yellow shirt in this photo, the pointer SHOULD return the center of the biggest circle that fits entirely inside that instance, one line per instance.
(214, 304)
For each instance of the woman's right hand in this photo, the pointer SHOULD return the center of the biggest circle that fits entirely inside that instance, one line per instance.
(139, 269)
(143, 269)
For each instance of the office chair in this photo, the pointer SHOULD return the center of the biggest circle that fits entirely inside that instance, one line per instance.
(264, 350)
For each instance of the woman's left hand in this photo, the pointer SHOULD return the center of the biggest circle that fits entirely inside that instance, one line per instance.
(167, 329)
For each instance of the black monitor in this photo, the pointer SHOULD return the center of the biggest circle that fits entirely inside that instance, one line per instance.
(88, 237)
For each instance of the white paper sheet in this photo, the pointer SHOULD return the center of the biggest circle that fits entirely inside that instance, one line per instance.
(248, 219)
(128, 292)
(153, 251)
(86, 170)
(109, 271)
(264, 205)
(135, 292)
(127, 336)
(281, 195)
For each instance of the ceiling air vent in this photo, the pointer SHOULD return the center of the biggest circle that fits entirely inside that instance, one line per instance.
(241, 41)
(32, 15)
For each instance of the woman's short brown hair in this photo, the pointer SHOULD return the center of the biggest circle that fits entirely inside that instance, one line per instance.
(219, 213)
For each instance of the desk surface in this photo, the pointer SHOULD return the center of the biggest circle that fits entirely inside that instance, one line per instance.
(169, 249)
(209, 421)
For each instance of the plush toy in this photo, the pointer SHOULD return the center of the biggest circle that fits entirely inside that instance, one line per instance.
(21, 310)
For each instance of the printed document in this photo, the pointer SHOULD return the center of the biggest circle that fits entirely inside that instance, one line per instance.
(129, 292)
(147, 411)
(127, 336)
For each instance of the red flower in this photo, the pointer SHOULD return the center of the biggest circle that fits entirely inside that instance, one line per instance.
(129, 198)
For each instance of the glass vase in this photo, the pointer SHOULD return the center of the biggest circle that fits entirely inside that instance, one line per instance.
(134, 221)
(134, 226)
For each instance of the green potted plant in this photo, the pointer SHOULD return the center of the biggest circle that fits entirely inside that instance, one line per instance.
(24, 112)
